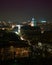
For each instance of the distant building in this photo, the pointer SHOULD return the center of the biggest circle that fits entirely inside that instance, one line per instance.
(16, 28)
(43, 21)
(33, 22)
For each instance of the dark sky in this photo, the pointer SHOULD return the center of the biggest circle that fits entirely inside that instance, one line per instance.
(22, 10)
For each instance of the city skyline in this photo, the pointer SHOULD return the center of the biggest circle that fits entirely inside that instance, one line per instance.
(23, 10)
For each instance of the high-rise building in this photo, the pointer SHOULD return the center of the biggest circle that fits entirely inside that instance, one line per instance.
(33, 22)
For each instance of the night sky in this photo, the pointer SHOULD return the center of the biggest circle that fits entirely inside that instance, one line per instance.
(23, 10)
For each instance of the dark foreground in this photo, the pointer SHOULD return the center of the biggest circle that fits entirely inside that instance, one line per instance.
(27, 61)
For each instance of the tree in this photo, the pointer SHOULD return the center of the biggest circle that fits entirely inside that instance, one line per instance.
(31, 33)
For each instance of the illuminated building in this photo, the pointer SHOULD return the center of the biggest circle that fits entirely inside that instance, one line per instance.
(43, 21)
(33, 22)
(16, 28)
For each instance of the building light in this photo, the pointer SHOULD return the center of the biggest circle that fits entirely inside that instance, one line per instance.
(21, 38)
(43, 21)
(13, 26)
(16, 32)
(33, 22)
(39, 44)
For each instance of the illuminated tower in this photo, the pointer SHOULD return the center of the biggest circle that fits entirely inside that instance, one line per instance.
(33, 22)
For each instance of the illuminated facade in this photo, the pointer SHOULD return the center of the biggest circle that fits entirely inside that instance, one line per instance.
(43, 20)
(33, 22)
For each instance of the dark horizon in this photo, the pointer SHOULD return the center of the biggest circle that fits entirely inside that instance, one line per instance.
(23, 10)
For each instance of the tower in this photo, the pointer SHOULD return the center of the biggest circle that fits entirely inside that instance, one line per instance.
(33, 22)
